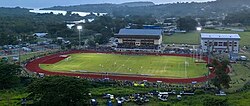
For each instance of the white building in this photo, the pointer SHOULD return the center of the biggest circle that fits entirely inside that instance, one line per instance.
(40, 34)
(220, 43)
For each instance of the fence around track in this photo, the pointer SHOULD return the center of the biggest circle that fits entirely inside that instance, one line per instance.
(33, 66)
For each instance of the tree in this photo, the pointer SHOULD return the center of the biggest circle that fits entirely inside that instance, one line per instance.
(221, 75)
(9, 75)
(214, 101)
(59, 30)
(203, 21)
(238, 17)
(59, 91)
(101, 39)
(186, 23)
(168, 21)
(140, 20)
(90, 42)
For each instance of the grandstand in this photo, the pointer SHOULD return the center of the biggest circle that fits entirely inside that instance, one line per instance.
(139, 40)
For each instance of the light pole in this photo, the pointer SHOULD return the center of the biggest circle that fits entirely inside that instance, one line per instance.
(19, 49)
(79, 29)
(199, 28)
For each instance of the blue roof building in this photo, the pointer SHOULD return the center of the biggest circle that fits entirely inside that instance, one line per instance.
(143, 32)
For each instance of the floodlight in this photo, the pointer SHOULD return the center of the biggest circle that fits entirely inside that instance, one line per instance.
(79, 27)
(198, 28)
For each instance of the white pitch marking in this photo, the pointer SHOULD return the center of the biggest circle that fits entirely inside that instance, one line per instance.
(123, 64)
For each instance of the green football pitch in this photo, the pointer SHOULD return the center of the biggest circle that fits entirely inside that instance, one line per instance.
(156, 66)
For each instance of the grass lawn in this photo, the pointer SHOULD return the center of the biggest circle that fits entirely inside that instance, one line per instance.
(240, 75)
(166, 66)
(12, 97)
(30, 55)
(182, 38)
(193, 37)
(27, 56)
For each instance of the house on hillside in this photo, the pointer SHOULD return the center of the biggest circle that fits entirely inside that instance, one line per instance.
(40, 34)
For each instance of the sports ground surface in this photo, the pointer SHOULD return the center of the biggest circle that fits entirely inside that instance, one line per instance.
(157, 66)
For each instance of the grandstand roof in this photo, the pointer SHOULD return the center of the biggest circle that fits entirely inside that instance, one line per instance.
(219, 36)
(140, 32)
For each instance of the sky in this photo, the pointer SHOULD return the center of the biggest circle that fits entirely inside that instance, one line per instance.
(50, 3)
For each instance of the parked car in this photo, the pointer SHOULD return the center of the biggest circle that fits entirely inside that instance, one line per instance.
(108, 96)
(163, 96)
(93, 102)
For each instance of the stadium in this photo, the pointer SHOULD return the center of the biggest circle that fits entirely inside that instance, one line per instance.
(137, 57)
(183, 69)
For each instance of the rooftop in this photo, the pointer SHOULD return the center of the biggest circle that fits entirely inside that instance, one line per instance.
(40, 34)
(143, 32)
(219, 36)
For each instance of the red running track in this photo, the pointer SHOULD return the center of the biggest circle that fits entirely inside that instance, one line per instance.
(33, 66)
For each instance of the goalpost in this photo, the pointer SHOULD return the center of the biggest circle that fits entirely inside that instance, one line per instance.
(186, 63)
